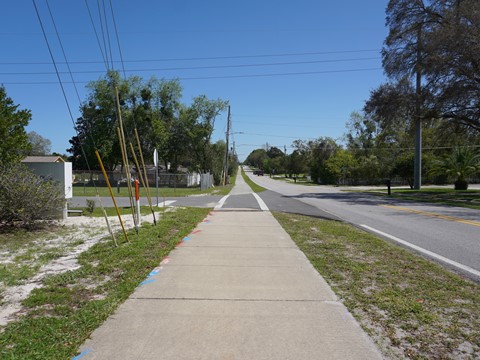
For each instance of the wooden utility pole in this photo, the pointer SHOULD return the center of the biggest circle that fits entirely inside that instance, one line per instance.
(225, 175)
(417, 174)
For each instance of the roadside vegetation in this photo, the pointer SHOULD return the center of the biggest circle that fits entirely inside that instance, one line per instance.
(58, 317)
(256, 188)
(468, 198)
(26, 199)
(162, 192)
(411, 307)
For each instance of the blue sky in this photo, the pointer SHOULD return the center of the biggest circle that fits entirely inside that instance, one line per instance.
(297, 68)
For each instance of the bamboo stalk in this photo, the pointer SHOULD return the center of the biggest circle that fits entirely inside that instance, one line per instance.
(111, 194)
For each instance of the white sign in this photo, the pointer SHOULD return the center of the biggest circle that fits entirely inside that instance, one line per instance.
(155, 157)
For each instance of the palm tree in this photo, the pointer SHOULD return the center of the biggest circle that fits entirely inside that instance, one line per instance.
(460, 164)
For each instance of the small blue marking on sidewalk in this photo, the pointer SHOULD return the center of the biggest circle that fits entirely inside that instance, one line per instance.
(82, 354)
(148, 281)
(154, 272)
(186, 238)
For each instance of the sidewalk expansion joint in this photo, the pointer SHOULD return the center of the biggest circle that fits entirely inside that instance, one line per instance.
(240, 247)
(236, 266)
(238, 210)
(233, 300)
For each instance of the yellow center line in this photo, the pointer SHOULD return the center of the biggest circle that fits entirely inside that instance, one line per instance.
(434, 215)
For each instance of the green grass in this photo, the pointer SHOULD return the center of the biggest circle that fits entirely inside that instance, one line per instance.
(111, 211)
(412, 308)
(162, 192)
(61, 315)
(256, 188)
(468, 199)
(301, 180)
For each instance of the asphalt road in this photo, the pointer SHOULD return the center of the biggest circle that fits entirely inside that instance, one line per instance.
(450, 235)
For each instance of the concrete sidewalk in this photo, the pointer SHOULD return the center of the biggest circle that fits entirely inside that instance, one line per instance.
(236, 288)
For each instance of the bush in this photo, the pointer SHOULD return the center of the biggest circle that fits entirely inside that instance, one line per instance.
(26, 198)
(90, 205)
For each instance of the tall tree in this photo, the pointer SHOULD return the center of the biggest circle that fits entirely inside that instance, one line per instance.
(14, 144)
(205, 112)
(439, 38)
(96, 127)
(39, 144)
(453, 68)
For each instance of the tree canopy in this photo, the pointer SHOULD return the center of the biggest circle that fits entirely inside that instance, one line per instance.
(439, 38)
(14, 145)
(181, 133)
(39, 144)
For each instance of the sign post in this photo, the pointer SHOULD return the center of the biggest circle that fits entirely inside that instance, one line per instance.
(137, 199)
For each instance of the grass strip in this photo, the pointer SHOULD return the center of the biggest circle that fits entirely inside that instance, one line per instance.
(163, 192)
(412, 307)
(467, 199)
(62, 315)
(256, 188)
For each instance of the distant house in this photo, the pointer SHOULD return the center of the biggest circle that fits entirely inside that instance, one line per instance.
(43, 159)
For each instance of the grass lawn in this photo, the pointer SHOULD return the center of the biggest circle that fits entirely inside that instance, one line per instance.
(163, 192)
(59, 317)
(411, 307)
(301, 180)
(469, 198)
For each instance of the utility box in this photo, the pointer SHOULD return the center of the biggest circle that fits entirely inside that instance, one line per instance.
(56, 169)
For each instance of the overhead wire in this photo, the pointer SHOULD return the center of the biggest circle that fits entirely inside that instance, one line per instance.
(63, 52)
(108, 33)
(202, 67)
(103, 35)
(219, 77)
(206, 58)
(96, 33)
(118, 39)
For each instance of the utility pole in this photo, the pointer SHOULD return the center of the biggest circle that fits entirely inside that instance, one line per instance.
(226, 148)
(417, 176)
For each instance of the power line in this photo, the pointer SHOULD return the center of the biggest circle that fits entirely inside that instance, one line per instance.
(277, 136)
(205, 58)
(53, 61)
(96, 34)
(118, 39)
(287, 125)
(63, 52)
(202, 67)
(221, 77)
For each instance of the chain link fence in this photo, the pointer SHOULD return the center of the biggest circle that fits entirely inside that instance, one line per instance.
(166, 180)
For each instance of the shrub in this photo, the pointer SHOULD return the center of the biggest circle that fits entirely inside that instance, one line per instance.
(90, 205)
(26, 198)
(460, 164)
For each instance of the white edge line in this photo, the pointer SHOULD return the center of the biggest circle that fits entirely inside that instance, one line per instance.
(221, 202)
(426, 252)
(262, 204)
